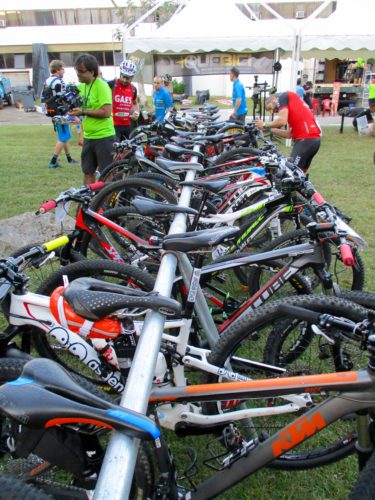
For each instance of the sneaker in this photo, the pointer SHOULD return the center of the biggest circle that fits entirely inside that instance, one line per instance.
(72, 161)
(54, 165)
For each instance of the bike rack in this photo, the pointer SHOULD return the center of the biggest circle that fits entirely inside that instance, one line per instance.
(117, 471)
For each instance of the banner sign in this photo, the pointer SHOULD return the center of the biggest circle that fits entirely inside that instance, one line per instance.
(213, 63)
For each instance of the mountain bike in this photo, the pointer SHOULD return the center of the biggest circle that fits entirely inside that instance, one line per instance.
(64, 402)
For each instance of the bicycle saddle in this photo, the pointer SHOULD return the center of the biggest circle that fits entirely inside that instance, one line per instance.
(45, 395)
(199, 239)
(146, 206)
(91, 301)
(178, 166)
(211, 138)
(214, 186)
(177, 150)
(144, 162)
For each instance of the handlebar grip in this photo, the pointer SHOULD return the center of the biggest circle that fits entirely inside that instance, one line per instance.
(56, 243)
(296, 312)
(95, 186)
(347, 255)
(46, 207)
(318, 198)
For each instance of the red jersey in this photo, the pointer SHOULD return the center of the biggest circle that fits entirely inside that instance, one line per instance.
(301, 121)
(123, 99)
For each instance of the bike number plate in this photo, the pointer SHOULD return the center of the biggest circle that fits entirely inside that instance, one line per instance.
(219, 251)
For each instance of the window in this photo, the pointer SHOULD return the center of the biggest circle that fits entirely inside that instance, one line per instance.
(9, 60)
(44, 18)
(68, 58)
(12, 18)
(105, 16)
(19, 61)
(108, 57)
(2, 61)
(27, 18)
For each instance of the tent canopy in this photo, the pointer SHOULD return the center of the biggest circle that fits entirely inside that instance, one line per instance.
(347, 33)
(209, 25)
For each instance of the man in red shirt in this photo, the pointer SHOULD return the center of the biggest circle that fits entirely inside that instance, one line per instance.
(124, 100)
(302, 127)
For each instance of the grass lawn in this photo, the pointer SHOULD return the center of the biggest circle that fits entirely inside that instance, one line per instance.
(343, 171)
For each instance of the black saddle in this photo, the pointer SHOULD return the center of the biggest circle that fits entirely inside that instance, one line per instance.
(210, 138)
(199, 239)
(146, 206)
(146, 163)
(94, 299)
(214, 186)
(45, 396)
(175, 150)
(178, 166)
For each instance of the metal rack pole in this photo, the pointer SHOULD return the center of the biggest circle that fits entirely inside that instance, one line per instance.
(117, 471)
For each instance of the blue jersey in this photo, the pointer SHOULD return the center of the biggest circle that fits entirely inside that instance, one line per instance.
(162, 101)
(300, 91)
(239, 92)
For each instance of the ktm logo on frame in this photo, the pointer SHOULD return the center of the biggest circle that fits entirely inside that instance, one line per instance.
(297, 432)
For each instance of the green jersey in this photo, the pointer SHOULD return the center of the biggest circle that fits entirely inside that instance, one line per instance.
(94, 96)
(371, 91)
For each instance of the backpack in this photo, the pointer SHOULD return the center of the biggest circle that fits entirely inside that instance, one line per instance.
(48, 98)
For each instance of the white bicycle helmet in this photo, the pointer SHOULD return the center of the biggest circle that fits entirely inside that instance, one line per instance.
(128, 68)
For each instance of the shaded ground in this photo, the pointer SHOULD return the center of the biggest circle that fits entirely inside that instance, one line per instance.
(10, 115)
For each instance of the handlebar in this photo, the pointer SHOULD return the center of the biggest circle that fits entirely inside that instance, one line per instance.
(70, 194)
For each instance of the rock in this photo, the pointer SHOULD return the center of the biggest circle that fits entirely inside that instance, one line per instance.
(27, 228)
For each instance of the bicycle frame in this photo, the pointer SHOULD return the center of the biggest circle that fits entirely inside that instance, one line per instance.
(357, 392)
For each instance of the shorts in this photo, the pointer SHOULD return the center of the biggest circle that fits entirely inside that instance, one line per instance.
(358, 72)
(63, 132)
(304, 151)
(239, 118)
(96, 154)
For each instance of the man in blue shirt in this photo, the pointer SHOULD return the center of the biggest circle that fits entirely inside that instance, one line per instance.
(300, 91)
(238, 97)
(162, 100)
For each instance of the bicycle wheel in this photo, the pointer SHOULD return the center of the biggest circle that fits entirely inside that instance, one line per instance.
(143, 482)
(270, 336)
(348, 278)
(125, 165)
(105, 270)
(364, 487)
(12, 488)
(234, 154)
(121, 193)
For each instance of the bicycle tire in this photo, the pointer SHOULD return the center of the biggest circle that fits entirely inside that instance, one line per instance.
(234, 154)
(101, 269)
(331, 444)
(116, 166)
(364, 487)
(12, 488)
(122, 193)
(353, 279)
(10, 369)
(365, 299)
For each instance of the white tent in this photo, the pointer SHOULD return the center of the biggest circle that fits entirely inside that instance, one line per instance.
(208, 25)
(347, 33)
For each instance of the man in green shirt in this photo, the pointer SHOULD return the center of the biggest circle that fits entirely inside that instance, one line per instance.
(96, 111)
(359, 70)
